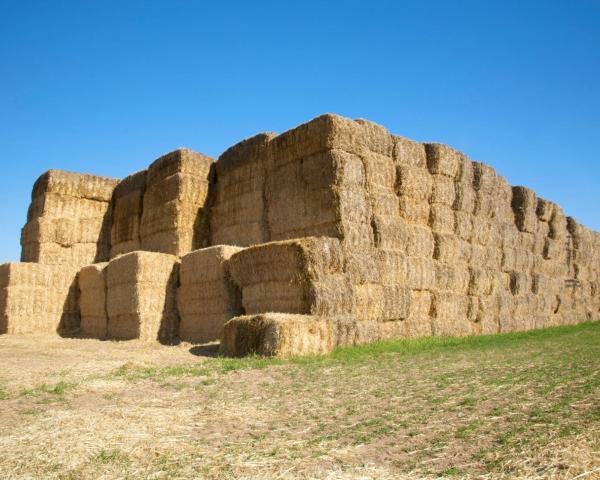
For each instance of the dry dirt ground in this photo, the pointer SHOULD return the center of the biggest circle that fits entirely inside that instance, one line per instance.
(509, 406)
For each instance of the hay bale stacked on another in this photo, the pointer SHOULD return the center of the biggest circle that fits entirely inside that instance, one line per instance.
(68, 220)
(140, 298)
(92, 300)
(175, 216)
(277, 334)
(128, 202)
(293, 276)
(206, 297)
(38, 298)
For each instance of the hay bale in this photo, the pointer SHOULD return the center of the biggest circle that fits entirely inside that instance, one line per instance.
(294, 276)
(420, 241)
(441, 218)
(451, 249)
(464, 197)
(376, 302)
(418, 322)
(92, 300)
(413, 210)
(463, 225)
(413, 182)
(128, 202)
(484, 178)
(420, 273)
(520, 283)
(454, 278)
(481, 281)
(174, 205)
(409, 152)
(277, 335)
(140, 297)
(558, 224)
(524, 204)
(442, 190)
(443, 160)
(544, 210)
(206, 297)
(450, 314)
(92, 187)
(38, 298)
(391, 265)
(68, 219)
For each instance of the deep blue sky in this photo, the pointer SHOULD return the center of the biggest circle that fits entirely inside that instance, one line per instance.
(105, 87)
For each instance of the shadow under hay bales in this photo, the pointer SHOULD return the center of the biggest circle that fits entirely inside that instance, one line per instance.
(209, 350)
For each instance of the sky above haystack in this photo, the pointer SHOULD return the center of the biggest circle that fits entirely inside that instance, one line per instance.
(106, 87)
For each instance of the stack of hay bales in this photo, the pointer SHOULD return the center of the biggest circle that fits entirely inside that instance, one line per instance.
(38, 298)
(128, 203)
(68, 220)
(238, 210)
(92, 300)
(302, 276)
(206, 297)
(174, 218)
(140, 297)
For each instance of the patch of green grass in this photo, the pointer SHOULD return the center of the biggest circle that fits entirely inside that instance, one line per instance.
(452, 472)
(113, 456)
(3, 392)
(59, 389)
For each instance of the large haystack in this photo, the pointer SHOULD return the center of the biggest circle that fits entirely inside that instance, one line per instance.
(351, 235)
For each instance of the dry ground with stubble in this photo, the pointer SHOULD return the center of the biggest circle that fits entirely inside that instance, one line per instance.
(508, 406)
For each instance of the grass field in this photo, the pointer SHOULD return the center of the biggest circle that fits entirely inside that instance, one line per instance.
(521, 405)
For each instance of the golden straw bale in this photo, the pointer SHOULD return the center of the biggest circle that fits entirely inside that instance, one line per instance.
(453, 278)
(482, 281)
(450, 314)
(77, 185)
(544, 209)
(408, 152)
(413, 210)
(206, 297)
(420, 273)
(443, 160)
(442, 190)
(128, 201)
(140, 296)
(418, 322)
(484, 178)
(380, 171)
(38, 298)
(376, 302)
(520, 283)
(524, 205)
(558, 224)
(464, 197)
(277, 335)
(413, 182)
(441, 218)
(92, 300)
(463, 225)
(392, 266)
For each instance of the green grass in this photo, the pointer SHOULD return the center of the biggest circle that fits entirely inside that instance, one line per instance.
(59, 389)
(373, 352)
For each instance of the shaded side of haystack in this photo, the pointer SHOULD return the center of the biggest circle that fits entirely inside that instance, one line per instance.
(141, 297)
(68, 221)
(92, 300)
(277, 335)
(301, 276)
(206, 297)
(175, 210)
(38, 298)
(127, 207)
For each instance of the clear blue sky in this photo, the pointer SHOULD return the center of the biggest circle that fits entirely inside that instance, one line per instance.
(105, 87)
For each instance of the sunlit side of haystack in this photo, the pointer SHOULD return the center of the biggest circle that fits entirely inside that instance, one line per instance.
(333, 233)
